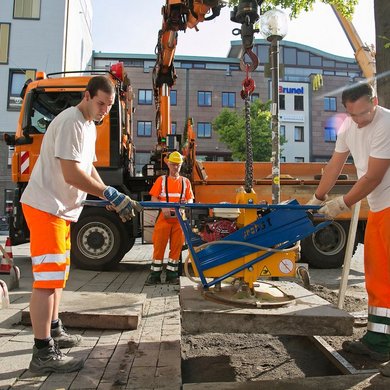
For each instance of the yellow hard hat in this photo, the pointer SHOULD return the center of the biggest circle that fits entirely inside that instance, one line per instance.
(175, 157)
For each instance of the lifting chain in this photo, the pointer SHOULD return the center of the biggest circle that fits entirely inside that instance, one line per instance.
(248, 86)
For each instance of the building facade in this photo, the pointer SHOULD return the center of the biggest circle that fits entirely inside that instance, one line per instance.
(206, 85)
(46, 35)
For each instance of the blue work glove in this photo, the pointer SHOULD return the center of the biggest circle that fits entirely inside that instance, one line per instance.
(122, 203)
(333, 208)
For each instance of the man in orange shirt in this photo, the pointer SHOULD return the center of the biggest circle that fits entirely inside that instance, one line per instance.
(171, 188)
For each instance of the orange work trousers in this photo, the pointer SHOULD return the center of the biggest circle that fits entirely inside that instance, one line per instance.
(377, 258)
(167, 229)
(49, 247)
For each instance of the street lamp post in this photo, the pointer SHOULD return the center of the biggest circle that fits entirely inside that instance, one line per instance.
(273, 25)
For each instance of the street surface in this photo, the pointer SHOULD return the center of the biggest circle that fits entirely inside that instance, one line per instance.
(146, 358)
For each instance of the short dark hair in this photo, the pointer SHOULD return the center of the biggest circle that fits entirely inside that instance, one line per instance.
(100, 83)
(355, 92)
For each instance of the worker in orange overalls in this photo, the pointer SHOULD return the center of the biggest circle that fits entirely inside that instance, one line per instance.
(62, 176)
(365, 134)
(170, 188)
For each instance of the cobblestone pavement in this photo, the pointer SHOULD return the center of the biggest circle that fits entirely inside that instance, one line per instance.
(146, 358)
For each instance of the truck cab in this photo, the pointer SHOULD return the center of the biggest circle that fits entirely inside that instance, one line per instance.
(99, 236)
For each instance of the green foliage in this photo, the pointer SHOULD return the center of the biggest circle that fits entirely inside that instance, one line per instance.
(230, 126)
(387, 41)
(346, 7)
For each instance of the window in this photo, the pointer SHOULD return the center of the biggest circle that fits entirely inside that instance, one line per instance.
(11, 150)
(144, 129)
(282, 131)
(27, 9)
(144, 96)
(173, 127)
(254, 96)
(204, 130)
(330, 134)
(299, 159)
(282, 158)
(204, 98)
(290, 56)
(17, 78)
(328, 63)
(263, 54)
(198, 65)
(4, 42)
(173, 96)
(298, 103)
(303, 58)
(315, 61)
(282, 102)
(228, 99)
(330, 104)
(298, 134)
(9, 196)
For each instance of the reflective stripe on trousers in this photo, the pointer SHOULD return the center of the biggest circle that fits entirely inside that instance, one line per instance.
(377, 270)
(49, 247)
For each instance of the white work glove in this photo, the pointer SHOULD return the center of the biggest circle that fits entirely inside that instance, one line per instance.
(333, 208)
(122, 203)
(314, 201)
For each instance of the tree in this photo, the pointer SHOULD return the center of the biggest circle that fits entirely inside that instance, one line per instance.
(230, 126)
(382, 27)
(347, 7)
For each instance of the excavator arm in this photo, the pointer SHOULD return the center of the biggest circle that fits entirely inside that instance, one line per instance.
(178, 15)
(365, 55)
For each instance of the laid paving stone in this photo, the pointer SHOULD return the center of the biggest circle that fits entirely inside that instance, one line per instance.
(307, 315)
(98, 310)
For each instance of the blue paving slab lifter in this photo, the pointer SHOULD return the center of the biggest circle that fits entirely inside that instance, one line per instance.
(230, 267)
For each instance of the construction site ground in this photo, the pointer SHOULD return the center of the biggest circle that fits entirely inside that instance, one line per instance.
(159, 354)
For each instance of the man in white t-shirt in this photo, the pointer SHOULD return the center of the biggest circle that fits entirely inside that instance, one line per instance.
(365, 134)
(61, 179)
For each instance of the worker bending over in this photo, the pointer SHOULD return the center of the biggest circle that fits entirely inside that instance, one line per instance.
(61, 179)
(366, 135)
(171, 188)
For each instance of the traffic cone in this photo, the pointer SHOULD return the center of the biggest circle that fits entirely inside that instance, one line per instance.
(7, 259)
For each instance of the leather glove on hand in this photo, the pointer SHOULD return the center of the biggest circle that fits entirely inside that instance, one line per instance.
(333, 208)
(314, 201)
(122, 203)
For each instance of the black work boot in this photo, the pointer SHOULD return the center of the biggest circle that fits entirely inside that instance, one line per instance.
(172, 275)
(153, 278)
(62, 338)
(51, 359)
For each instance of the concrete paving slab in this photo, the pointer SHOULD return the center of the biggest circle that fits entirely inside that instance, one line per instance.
(337, 382)
(98, 310)
(8, 318)
(307, 315)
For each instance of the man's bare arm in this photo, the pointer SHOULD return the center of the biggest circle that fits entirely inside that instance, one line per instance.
(76, 177)
(331, 174)
(95, 175)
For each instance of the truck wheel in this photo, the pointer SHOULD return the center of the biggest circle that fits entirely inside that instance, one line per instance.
(326, 248)
(98, 240)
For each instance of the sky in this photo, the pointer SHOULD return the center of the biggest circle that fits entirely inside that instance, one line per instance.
(129, 26)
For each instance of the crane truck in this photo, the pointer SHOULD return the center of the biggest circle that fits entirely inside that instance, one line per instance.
(99, 239)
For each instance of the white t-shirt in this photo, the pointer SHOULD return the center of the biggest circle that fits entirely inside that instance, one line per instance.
(371, 140)
(69, 137)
